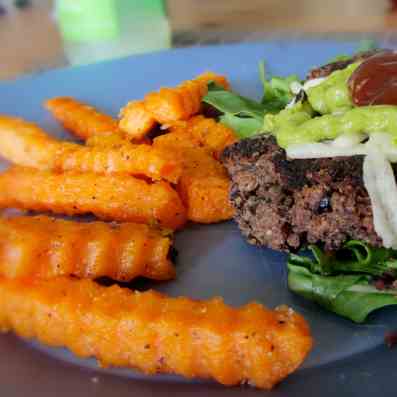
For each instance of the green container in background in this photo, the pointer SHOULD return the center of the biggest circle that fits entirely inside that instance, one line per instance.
(95, 30)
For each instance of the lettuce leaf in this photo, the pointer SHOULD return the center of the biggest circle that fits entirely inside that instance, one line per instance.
(245, 115)
(344, 282)
(244, 126)
(276, 90)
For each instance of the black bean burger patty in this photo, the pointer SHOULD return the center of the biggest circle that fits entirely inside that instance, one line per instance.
(287, 204)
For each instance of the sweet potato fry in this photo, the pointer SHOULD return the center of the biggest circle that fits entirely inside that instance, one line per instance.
(107, 139)
(136, 120)
(206, 132)
(26, 144)
(46, 247)
(204, 184)
(80, 119)
(180, 103)
(206, 198)
(111, 197)
(167, 105)
(110, 139)
(128, 158)
(157, 334)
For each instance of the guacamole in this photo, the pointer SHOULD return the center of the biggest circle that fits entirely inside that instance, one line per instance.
(329, 112)
(332, 95)
(296, 125)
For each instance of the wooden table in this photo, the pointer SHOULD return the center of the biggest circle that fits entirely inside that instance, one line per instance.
(30, 40)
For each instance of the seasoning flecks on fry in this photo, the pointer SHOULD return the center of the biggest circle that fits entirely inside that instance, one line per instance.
(80, 119)
(45, 247)
(25, 144)
(158, 334)
(108, 197)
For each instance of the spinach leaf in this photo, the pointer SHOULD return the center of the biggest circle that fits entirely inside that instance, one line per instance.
(244, 126)
(350, 296)
(277, 90)
(355, 257)
(342, 282)
(237, 105)
(245, 115)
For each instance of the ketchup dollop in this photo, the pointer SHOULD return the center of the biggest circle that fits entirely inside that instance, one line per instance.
(374, 82)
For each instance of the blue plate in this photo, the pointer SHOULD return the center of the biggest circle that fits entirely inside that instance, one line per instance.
(347, 359)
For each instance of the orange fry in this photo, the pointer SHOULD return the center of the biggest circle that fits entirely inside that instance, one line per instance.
(26, 144)
(167, 105)
(46, 247)
(206, 198)
(129, 159)
(80, 119)
(204, 184)
(157, 334)
(110, 139)
(206, 132)
(136, 120)
(107, 139)
(180, 103)
(111, 197)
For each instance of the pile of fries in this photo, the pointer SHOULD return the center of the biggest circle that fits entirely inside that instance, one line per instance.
(146, 174)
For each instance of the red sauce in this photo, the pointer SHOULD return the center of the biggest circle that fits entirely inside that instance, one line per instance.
(374, 82)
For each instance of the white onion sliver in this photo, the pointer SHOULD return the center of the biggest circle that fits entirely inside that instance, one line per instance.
(381, 224)
(387, 188)
(323, 150)
(384, 143)
(348, 140)
(313, 83)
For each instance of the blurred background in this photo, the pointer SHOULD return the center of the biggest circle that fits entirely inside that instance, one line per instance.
(37, 35)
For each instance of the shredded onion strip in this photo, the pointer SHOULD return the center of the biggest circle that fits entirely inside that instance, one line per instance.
(381, 223)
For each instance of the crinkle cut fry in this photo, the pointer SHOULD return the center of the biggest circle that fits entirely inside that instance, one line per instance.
(204, 184)
(80, 119)
(172, 104)
(135, 120)
(157, 334)
(168, 105)
(206, 132)
(110, 139)
(206, 198)
(110, 197)
(26, 144)
(127, 159)
(46, 247)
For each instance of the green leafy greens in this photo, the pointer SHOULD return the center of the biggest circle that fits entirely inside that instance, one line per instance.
(344, 282)
(245, 115)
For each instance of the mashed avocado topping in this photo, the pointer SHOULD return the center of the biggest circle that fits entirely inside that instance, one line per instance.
(296, 125)
(332, 95)
(329, 112)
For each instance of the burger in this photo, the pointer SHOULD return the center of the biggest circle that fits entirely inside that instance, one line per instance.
(316, 178)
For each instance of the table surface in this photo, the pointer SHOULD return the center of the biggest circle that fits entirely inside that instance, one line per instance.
(31, 41)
